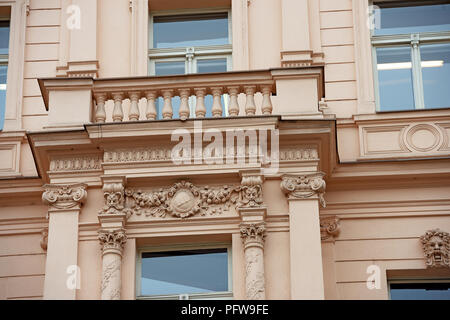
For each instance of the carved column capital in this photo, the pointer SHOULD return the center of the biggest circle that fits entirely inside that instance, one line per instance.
(304, 186)
(112, 241)
(253, 234)
(63, 197)
(251, 191)
(329, 228)
(436, 248)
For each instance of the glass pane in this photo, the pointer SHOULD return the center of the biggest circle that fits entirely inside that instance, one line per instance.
(436, 75)
(420, 291)
(211, 65)
(184, 272)
(170, 68)
(395, 78)
(4, 37)
(166, 69)
(412, 19)
(190, 30)
(3, 74)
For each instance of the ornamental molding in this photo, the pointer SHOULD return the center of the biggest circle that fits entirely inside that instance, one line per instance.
(184, 199)
(253, 234)
(137, 155)
(329, 228)
(158, 154)
(64, 196)
(114, 198)
(304, 186)
(112, 241)
(44, 239)
(81, 163)
(436, 248)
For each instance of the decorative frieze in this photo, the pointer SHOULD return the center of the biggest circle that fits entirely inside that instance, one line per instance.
(436, 248)
(182, 200)
(329, 227)
(304, 186)
(64, 196)
(298, 154)
(112, 241)
(83, 163)
(137, 155)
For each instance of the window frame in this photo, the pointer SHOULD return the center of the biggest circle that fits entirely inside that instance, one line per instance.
(414, 41)
(222, 295)
(161, 54)
(414, 281)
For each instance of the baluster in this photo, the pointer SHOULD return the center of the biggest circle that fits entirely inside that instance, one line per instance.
(100, 113)
(167, 110)
(266, 106)
(200, 110)
(233, 108)
(134, 109)
(250, 107)
(217, 109)
(150, 113)
(184, 105)
(117, 112)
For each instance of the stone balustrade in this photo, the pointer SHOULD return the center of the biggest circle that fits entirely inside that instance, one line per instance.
(291, 92)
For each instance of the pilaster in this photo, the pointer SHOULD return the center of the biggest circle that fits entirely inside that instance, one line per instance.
(305, 193)
(64, 203)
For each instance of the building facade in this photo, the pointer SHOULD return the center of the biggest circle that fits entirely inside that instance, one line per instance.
(226, 149)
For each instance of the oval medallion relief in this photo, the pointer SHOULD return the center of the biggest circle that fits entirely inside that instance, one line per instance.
(183, 203)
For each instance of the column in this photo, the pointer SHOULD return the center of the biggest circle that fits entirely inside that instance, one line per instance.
(305, 192)
(253, 232)
(64, 203)
(112, 236)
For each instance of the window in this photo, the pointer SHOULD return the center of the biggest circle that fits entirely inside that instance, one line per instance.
(185, 273)
(4, 58)
(190, 43)
(420, 290)
(411, 49)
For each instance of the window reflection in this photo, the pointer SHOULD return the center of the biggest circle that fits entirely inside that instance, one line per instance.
(411, 19)
(436, 75)
(184, 272)
(420, 291)
(395, 78)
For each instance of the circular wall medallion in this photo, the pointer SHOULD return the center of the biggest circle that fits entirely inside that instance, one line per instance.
(183, 201)
(423, 137)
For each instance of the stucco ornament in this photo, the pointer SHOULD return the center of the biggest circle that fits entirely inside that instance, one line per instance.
(44, 239)
(253, 236)
(112, 240)
(304, 186)
(329, 227)
(251, 192)
(64, 196)
(182, 200)
(114, 198)
(436, 247)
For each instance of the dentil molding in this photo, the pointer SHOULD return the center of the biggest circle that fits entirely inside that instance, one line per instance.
(304, 186)
(64, 196)
(436, 248)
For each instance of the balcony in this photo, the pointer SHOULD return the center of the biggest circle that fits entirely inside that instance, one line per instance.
(293, 93)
